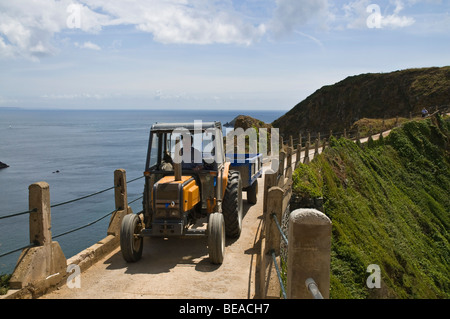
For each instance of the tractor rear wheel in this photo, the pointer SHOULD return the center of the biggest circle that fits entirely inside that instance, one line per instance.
(232, 205)
(131, 243)
(252, 193)
(216, 238)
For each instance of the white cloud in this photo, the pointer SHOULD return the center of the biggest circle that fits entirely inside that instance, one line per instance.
(27, 28)
(357, 14)
(182, 21)
(88, 45)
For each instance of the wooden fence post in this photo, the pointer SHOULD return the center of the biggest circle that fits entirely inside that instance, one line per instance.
(270, 180)
(281, 164)
(298, 155)
(316, 150)
(268, 280)
(289, 162)
(306, 158)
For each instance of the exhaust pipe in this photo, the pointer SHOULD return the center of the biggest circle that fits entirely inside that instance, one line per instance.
(177, 162)
(178, 172)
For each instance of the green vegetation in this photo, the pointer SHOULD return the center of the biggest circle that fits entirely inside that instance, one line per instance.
(389, 203)
(4, 284)
(374, 126)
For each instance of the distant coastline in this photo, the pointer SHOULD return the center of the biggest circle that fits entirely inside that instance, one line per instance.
(8, 108)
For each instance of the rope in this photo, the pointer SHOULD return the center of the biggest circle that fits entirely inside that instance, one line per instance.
(135, 200)
(65, 233)
(84, 197)
(16, 250)
(137, 178)
(69, 201)
(93, 194)
(87, 225)
(95, 221)
(18, 214)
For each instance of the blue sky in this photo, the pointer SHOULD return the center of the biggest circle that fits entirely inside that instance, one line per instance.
(255, 54)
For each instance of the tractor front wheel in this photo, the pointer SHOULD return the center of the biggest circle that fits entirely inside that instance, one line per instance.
(216, 238)
(131, 243)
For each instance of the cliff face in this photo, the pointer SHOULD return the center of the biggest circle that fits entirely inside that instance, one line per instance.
(388, 95)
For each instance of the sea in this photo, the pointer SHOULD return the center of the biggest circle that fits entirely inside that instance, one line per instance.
(76, 152)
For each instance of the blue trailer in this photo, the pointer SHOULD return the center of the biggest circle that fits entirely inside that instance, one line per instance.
(250, 168)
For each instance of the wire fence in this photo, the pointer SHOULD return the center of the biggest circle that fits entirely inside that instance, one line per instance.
(280, 275)
(65, 203)
(354, 133)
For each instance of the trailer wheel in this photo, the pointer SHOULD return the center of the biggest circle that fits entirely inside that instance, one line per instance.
(252, 193)
(216, 238)
(130, 244)
(232, 205)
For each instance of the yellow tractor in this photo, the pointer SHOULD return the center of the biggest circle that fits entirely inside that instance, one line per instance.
(187, 180)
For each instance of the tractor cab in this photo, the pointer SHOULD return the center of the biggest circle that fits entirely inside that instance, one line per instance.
(196, 151)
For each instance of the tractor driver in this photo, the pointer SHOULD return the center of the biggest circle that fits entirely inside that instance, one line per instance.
(195, 155)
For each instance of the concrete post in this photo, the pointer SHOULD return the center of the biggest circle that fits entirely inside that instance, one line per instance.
(120, 192)
(121, 200)
(40, 221)
(44, 264)
(309, 253)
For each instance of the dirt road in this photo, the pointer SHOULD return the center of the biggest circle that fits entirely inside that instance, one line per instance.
(177, 268)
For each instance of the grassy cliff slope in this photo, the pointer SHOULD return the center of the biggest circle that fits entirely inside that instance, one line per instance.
(389, 203)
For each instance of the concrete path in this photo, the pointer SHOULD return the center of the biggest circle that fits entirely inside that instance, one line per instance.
(177, 268)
